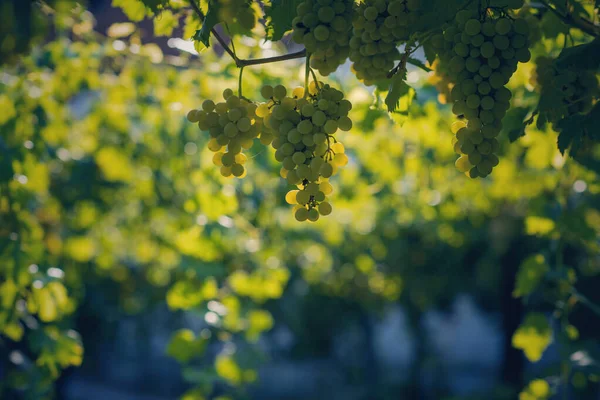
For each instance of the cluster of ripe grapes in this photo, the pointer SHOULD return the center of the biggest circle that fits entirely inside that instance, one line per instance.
(479, 53)
(299, 125)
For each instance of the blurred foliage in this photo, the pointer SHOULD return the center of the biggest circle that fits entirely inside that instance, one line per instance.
(102, 179)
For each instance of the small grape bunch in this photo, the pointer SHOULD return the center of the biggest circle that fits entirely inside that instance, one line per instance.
(379, 27)
(565, 92)
(232, 127)
(304, 130)
(324, 28)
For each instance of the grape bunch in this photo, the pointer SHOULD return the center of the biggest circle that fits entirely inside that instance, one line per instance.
(324, 28)
(378, 28)
(237, 11)
(303, 128)
(480, 54)
(565, 92)
(232, 126)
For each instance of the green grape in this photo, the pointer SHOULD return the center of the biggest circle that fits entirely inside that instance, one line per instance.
(301, 214)
(266, 91)
(472, 27)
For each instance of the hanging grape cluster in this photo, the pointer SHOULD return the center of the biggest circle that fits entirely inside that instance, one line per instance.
(564, 92)
(232, 126)
(378, 28)
(237, 11)
(324, 27)
(304, 130)
(481, 51)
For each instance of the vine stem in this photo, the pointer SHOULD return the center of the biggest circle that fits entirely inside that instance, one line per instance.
(306, 75)
(239, 62)
(240, 82)
(585, 301)
(583, 24)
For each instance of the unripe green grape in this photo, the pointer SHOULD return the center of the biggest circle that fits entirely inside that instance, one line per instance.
(237, 170)
(501, 42)
(473, 101)
(302, 197)
(301, 214)
(325, 208)
(299, 158)
(472, 27)
(227, 93)
(503, 26)
(313, 215)
(294, 136)
(370, 13)
(487, 103)
(330, 127)
(326, 170)
(192, 116)
(279, 92)
(225, 171)
(463, 164)
(292, 178)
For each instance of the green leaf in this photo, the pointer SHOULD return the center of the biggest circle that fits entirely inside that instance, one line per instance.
(155, 5)
(576, 128)
(581, 57)
(134, 9)
(552, 26)
(530, 275)
(419, 64)
(514, 123)
(399, 90)
(537, 389)
(533, 336)
(184, 346)
(279, 15)
(430, 52)
(165, 23)
(211, 19)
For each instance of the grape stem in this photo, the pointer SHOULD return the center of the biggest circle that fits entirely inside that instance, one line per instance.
(306, 75)
(582, 24)
(402, 64)
(239, 62)
(240, 80)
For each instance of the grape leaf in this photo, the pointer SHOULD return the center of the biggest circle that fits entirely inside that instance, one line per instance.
(397, 90)
(210, 20)
(514, 123)
(576, 128)
(165, 22)
(533, 336)
(430, 52)
(418, 63)
(134, 9)
(530, 275)
(155, 5)
(279, 15)
(552, 26)
(582, 57)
